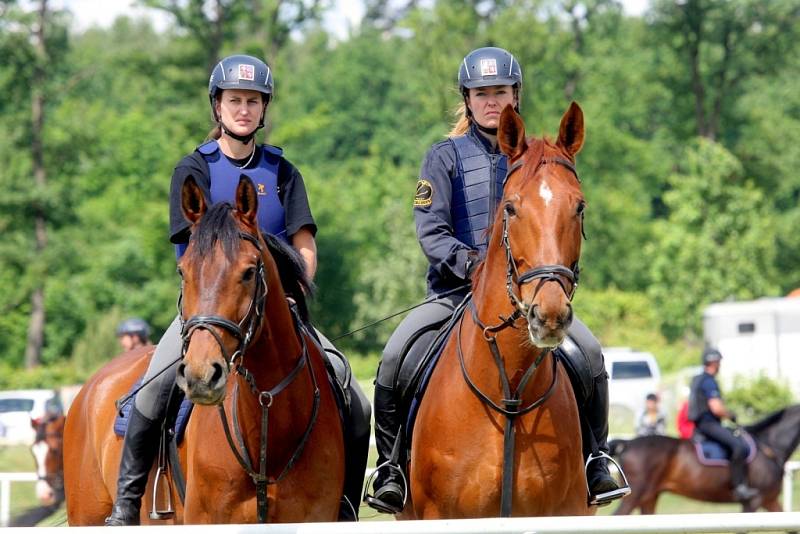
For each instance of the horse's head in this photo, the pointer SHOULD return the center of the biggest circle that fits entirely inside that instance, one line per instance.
(223, 290)
(47, 451)
(540, 223)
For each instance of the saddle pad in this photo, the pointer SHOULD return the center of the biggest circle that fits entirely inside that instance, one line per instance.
(431, 359)
(712, 453)
(123, 416)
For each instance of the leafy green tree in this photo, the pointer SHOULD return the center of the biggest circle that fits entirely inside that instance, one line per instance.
(711, 247)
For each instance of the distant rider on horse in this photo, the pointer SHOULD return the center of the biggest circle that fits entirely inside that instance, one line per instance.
(707, 410)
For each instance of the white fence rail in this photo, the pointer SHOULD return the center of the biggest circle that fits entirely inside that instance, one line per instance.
(5, 492)
(664, 524)
(685, 523)
(788, 479)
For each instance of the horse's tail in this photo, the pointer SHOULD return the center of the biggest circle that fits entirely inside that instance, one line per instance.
(617, 446)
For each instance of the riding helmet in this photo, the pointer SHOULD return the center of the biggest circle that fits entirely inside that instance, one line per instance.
(135, 327)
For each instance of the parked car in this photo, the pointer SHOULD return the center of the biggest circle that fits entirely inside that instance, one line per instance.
(19, 408)
(632, 375)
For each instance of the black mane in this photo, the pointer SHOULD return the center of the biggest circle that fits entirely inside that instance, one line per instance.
(219, 225)
(780, 430)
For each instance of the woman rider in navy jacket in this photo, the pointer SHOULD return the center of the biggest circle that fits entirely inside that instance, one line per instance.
(460, 185)
(240, 89)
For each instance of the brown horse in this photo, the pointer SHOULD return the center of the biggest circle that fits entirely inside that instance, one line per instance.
(657, 464)
(264, 441)
(497, 390)
(47, 451)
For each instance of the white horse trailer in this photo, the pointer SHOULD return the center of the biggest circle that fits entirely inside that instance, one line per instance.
(756, 336)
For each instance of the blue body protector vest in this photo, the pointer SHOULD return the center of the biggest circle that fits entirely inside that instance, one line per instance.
(225, 178)
(477, 189)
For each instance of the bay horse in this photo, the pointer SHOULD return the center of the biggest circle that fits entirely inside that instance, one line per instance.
(658, 464)
(264, 441)
(498, 405)
(47, 452)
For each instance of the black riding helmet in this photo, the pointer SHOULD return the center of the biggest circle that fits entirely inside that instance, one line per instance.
(135, 327)
(240, 72)
(488, 66)
(711, 355)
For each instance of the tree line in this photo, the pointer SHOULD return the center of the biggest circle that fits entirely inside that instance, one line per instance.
(692, 115)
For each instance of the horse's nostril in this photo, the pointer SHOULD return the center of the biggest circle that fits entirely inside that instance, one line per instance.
(181, 370)
(217, 372)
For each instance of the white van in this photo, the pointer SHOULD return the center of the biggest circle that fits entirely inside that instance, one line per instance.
(18, 408)
(632, 375)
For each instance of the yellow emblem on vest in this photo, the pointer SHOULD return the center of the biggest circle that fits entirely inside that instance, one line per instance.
(424, 195)
(262, 190)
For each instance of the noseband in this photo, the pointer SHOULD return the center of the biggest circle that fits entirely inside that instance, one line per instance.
(244, 330)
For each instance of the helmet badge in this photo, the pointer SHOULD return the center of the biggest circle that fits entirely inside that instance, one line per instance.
(489, 67)
(247, 72)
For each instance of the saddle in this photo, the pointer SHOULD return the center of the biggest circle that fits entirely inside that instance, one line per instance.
(712, 453)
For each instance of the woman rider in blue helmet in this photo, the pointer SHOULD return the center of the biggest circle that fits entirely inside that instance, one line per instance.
(452, 234)
(240, 89)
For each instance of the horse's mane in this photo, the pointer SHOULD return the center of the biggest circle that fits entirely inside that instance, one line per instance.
(766, 422)
(780, 430)
(219, 225)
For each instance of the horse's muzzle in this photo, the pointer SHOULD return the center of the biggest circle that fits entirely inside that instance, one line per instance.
(548, 330)
(203, 384)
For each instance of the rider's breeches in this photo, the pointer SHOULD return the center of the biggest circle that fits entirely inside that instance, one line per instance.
(429, 316)
(735, 446)
(151, 401)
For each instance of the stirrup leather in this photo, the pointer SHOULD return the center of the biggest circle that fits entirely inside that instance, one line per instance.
(602, 499)
(377, 504)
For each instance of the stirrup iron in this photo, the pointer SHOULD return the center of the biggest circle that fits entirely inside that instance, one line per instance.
(375, 503)
(162, 480)
(602, 499)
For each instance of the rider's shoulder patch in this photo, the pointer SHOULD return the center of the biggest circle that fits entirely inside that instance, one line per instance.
(424, 194)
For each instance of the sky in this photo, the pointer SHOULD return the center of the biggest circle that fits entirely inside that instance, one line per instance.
(347, 13)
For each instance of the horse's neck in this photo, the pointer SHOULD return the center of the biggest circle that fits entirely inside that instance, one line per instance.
(279, 347)
(783, 436)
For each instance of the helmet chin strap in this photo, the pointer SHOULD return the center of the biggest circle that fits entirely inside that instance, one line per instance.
(244, 139)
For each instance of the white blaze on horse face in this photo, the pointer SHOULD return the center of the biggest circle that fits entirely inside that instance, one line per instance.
(546, 193)
(43, 490)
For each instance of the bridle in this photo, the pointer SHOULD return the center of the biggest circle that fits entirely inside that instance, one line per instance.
(54, 480)
(244, 331)
(544, 273)
(512, 401)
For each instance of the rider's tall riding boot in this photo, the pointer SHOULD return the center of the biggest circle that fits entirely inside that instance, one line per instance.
(602, 487)
(138, 452)
(741, 491)
(389, 489)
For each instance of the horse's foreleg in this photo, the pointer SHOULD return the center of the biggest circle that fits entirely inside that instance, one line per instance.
(772, 505)
(648, 507)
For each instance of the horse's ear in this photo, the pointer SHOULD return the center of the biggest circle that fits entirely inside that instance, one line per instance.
(511, 133)
(247, 201)
(570, 133)
(193, 202)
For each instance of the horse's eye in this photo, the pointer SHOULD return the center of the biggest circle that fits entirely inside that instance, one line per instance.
(180, 272)
(249, 274)
(581, 207)
(510, 210)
